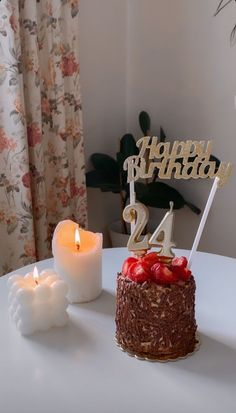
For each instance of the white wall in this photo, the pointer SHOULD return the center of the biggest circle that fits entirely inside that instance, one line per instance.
(173, 59)
(181, 69)
(103, 67)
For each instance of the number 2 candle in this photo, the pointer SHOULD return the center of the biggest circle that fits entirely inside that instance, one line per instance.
(78, 260)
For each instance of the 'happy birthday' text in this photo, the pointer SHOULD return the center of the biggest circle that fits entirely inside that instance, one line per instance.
(189, 159)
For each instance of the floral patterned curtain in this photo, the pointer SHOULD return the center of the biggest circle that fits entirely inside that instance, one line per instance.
(42, 179)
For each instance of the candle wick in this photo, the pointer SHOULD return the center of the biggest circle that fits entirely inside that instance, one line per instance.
(36, 282)
(78, 247)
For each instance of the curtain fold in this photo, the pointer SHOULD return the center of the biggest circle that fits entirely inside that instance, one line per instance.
(42, 173)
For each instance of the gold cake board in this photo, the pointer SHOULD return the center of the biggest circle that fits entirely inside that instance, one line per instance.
(143, 356)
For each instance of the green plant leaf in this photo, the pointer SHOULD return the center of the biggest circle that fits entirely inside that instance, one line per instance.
(128, 146)
(120, 157)
(159, 195)
(162, 135)
(95, 179)
(145, 122)
(193, 208)
(107, 166)
(123, 174)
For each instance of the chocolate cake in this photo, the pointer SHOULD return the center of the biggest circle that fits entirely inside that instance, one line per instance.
(156, 320)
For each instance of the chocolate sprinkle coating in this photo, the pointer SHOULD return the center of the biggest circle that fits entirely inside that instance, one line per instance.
(156, 320)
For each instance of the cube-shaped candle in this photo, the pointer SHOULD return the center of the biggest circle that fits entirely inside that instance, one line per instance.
(37, 302)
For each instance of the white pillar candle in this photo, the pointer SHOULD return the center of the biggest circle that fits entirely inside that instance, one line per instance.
(37, 302)
(78, 261)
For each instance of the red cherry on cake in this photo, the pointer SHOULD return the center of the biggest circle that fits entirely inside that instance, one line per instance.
(180, 262)
(150, 259)
(161, 274)
(127, 263)
(179, 267)
(184, 274)
(139, 272)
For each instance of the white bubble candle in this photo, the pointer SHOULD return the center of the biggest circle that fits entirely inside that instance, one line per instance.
(37, 301)
(78, 260)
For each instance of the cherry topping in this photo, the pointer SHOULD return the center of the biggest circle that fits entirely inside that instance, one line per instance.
(179, 267)
(151, 258)
(184, 274)
(139, 272)
(161, 274)
(150, 267)
(180, 262)
(127, 264)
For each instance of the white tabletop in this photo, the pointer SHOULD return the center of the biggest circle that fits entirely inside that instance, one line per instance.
(79, 369)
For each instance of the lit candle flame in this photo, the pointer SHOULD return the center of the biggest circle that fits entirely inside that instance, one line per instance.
(36, 275)
(77, 239)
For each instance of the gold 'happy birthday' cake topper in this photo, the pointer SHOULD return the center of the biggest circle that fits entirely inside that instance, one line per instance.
(189, 159)
(194, 161)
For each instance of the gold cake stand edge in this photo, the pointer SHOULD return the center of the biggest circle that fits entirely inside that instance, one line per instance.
(144, 357)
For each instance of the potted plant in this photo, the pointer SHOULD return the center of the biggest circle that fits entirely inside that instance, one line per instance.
(108, 175)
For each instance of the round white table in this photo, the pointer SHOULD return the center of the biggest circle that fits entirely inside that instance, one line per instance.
(79, 369)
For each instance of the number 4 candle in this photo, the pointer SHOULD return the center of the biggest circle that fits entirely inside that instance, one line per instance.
(165, 227)
(78, 260)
